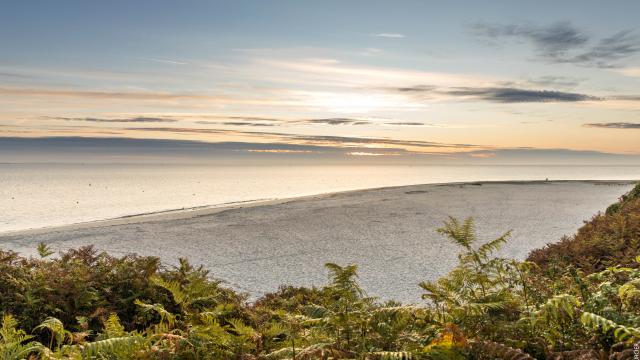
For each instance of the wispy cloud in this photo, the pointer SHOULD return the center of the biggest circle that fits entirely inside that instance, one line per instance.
(125, 120)
(614, 125)
(626, 97)
(14, 75)
(390, 35)
(562, 42)
(175, 99)
(367, 153)
(257, 121)
(318, 140)
(556, 81)
(355, 75)
(279, 151)
(239, 120)
(123, 95)
(550, 41)
(166, 61)
(241, 123)
(608, 51)
(407, 123)
(336, 121)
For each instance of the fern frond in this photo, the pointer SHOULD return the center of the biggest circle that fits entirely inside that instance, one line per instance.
(113, 328)
(57, 330)
(125, 344)
(344, 278)
(559, 307)
(462, 234)
(274, 329)
(44, 250)
(173, 287)
(159, 309)
(620, 332)
(241, 328)
(494, 245)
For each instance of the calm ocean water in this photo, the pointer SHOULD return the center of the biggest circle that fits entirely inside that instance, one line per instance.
(43, 195)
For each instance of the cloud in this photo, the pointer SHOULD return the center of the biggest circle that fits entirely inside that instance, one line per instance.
(551, 41)
(257, 121)
(336, 121)
(390, 35)
(133, 146)
(352, 75)
(127, 120)
(108, 149)
(105, 94)
(240, 120)
(14, 75)
(346, 141)
(497, 94)
(193, 100)
(564, 43)
(614, 125)
(251, 118)
(318, 140)
(608, 51)
(240, 123)
(417, 89)
(366, 153)
(514, 95)
(166, 61)
(406, 123)
(556, 81)
(279, 151)
(626, 97)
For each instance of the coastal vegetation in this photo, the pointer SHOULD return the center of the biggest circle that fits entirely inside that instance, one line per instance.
(576, 299)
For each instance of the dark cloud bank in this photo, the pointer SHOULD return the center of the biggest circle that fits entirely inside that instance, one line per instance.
(155, 151)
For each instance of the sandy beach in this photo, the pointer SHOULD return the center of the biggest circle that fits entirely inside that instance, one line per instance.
(389, 232)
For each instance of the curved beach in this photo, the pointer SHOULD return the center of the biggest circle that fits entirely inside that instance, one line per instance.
(390, 232)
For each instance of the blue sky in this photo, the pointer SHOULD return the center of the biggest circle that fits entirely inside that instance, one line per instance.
(405, 77)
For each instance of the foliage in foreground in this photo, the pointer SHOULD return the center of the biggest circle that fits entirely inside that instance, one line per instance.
(89, 305)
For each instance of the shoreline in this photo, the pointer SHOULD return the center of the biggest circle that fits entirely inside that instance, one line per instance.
(211, 209)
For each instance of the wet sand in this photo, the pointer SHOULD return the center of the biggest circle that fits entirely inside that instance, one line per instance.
(389, 232)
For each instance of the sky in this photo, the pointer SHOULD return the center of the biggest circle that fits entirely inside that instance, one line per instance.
(387, 79)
